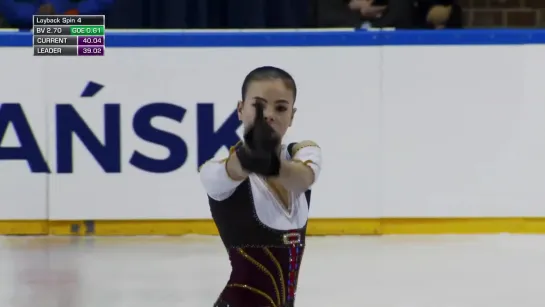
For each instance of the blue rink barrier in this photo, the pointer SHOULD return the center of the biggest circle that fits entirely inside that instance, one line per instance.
(302, 38)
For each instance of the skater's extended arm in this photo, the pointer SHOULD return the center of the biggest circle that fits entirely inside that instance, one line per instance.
(302, 171)
(221, 178)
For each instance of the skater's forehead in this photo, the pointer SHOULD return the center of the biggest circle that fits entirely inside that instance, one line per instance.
(273, 91)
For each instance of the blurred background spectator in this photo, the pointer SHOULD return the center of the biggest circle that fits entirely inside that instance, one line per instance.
(167, 14)
(401, 14)
(254, 14)
(210, 14)
(504, 13)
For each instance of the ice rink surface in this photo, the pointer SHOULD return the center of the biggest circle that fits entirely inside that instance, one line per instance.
(387, 271)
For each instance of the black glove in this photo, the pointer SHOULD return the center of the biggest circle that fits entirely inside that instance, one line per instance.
(258, 154)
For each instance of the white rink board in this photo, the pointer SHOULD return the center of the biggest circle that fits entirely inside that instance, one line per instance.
(23, 195)
(404, 132)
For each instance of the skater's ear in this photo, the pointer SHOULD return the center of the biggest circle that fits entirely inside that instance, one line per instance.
(240, 105)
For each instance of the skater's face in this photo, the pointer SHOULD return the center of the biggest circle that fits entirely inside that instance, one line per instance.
(277, 100)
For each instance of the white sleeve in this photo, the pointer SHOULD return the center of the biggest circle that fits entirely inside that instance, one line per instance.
(216, 181)
(310, 154)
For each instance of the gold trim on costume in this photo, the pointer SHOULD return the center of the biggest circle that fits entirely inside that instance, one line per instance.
(291, 238)
(233, 148)
(254, 290)
(302, 145)
(231, 152)
(224, 160)
(227, 170)
(264, 270)
(305, 163)
(280, 274)
(281, 193)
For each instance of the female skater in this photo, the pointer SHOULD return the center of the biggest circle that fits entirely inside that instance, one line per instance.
(259, 196)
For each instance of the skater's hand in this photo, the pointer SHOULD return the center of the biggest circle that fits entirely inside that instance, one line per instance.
(259, 153)
(261, 136)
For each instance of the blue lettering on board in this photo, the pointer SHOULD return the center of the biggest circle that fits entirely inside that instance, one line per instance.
(106, 149)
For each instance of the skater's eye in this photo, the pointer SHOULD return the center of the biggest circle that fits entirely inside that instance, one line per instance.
(281, 105)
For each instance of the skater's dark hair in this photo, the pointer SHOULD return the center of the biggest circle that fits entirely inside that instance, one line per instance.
(269, 73)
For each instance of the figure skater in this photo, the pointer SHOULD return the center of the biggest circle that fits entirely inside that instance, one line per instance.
(259, 195)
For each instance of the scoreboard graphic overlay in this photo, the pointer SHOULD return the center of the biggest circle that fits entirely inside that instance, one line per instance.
(68, 35)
